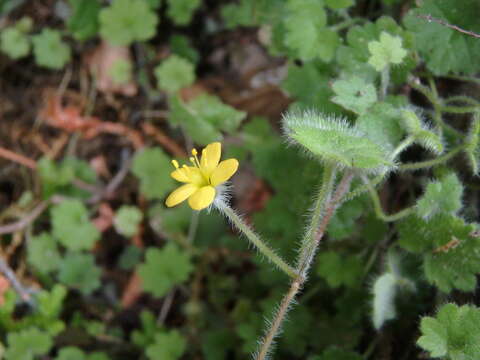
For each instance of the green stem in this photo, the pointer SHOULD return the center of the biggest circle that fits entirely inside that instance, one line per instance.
(363, 188)
(402, 146)
(345, 24)
(308, 246)
(378, 206)
(459, 109)
(384, 81)
(433, 162)
(255, 240)
(464, 99)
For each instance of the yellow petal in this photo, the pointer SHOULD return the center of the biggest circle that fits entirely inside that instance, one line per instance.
(210, 157)
(202, 198)
(224, 171)
(180, 194)
(180, 175)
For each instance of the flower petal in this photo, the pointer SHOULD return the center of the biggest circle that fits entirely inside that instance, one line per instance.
(202, 198)
(180, 194)
(180, 175)
(223, 171)
(210, 157)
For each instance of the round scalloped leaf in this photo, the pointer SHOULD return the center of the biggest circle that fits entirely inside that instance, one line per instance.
(335, 141)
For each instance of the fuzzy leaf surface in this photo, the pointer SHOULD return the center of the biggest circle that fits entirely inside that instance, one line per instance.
(354, 94)
(387, 51)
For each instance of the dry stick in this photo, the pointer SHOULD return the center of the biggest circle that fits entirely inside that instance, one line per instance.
(297, 284)
(10, 155)
(24, 222)
(430, 18)
(16, 284)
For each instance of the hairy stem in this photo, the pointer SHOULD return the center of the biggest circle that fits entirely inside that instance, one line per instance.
(402, 146)
(331, 204)
(378, 206)
(384, 81)
(255, 239)
(433, 162)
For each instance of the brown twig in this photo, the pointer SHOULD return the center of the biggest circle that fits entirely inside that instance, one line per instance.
(25, 221)
(164, 140)
(16, 284)
(430, 18)
(20, 159)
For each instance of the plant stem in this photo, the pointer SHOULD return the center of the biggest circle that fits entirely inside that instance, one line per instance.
(402, 146)
(255, 239)
(384, 81)
(332, 203)
(429, 163)
(378, 206)
(461, 98)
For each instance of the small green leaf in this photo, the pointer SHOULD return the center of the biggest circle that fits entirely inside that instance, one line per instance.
(14, 43)
(42, 253)
(339, 270)
(152, 166)
(27, 344)
(127, 219)
(83, 21)
(80, 272)
(181, 11)
(354, 94)
(335, 141)
(167, 346)
(454, 333)
(174, 74)
(444, 196)
(384, 291)
(180, 45)
(121, 72)
(49, 49)
(126, 21)
(388, 51)
(163, 269)
(70, 353)
(72, 227)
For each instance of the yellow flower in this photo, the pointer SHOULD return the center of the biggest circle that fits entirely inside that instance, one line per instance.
(201, 178)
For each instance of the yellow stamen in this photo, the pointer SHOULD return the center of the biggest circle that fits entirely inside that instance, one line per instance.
(175, 163)
(194, 152)
(194, 159)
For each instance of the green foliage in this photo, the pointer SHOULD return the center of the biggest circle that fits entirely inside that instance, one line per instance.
(180, 45)
(167, 346)
(422, 134)
(14, 42)
(150, 166)
(27, 344)
(444, 196)
(174, 74)
(388, 51)
(42, 253)
(205, 117)
(472, 148)
(181, 11)
(127, 219)
(339, 4)
(121, 72)
(338, 270)
(163, 269)
(354, 94)
(448, 246)
(126, 21)
(83, 21)
(462, 55)
(79, 271)
(74, 353)
(335, 141)
(49, 49)
(453, 334)
(72, 227)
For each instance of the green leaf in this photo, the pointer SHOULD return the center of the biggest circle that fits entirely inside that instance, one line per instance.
(27, 344)
(163, 269)
(50, 303)
(126, 21)
(70, 353)
(146, 335)
(180, 45)
(174, 74)
(80, 272)
(472, 148)
(167, 346)
(49, 49)
(130, 257)
(121, 72)
(205, 117)
(14, 42)
(127, 219)
(444, 240)
(388, 51)
(454, 333)
(354, 94)
(152, 166)
(181, 11)
(72, 227)
(444, 196)
(339, 270)
(42, 253)
(83, 21)
(384, 291)
(462, 55)
(335, 141)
